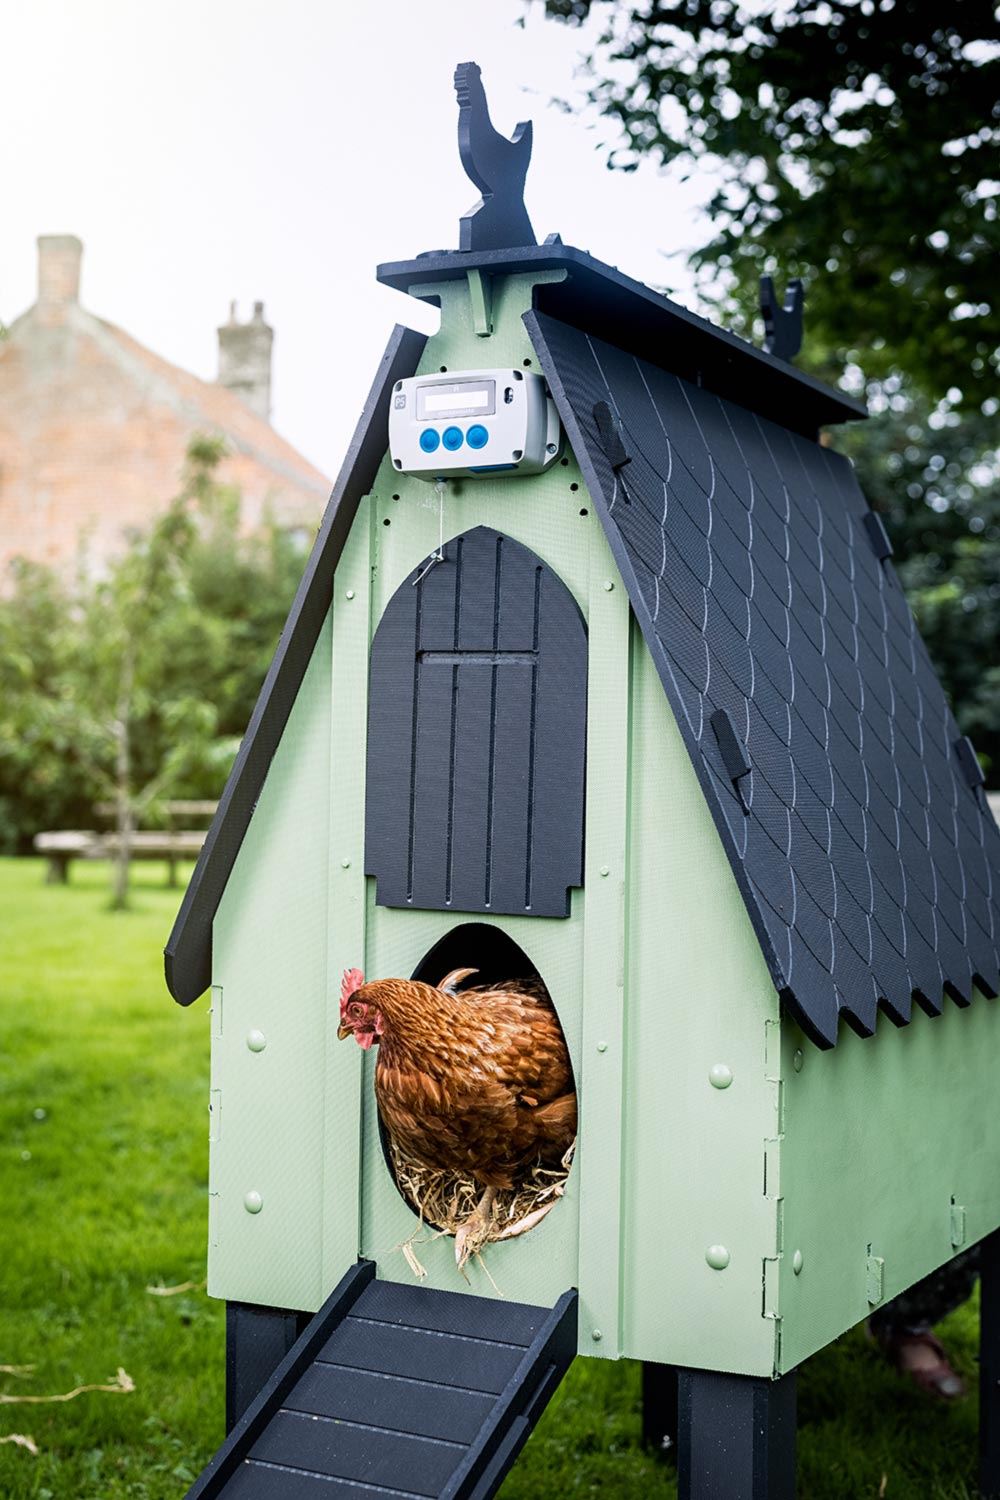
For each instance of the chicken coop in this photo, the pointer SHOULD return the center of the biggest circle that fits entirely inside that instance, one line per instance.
(599, 672)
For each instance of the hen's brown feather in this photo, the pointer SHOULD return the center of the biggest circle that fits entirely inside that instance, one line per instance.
(478, 1081)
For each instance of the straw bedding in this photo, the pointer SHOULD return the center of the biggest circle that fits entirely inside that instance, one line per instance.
(443, 1201)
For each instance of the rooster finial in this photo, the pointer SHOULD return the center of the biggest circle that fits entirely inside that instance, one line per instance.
(782, 325)
(497, 166)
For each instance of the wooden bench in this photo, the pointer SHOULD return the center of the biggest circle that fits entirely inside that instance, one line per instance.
(62, 846)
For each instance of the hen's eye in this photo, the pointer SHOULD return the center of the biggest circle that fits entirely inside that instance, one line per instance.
(356, 1011)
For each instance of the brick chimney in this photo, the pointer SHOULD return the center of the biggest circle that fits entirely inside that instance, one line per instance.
(59, 257)
(245, 359)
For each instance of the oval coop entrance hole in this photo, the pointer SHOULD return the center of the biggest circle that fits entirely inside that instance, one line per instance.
(477, 945)
(506, 1046)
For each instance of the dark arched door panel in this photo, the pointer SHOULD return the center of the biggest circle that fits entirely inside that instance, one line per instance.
(477, 735)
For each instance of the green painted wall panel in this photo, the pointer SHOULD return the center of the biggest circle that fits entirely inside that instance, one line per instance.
(603, 1164)
(699, 997)
(880, 1135)
(269, 970)
(340, 1205)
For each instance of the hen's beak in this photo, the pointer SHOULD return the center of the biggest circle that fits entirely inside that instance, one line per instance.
(344, 1031)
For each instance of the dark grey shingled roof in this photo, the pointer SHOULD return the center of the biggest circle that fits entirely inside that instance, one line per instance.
(869, 864)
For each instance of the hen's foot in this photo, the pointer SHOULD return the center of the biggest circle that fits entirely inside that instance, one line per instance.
(528, 1222)
(921, 1356)
(471, 1236)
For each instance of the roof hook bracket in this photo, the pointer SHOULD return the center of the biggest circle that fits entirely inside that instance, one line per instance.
(965, 750)
(877, 535)
(782, 325)
(733, 752)
(609, 431)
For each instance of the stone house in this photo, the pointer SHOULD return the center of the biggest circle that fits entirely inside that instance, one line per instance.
(94, 427)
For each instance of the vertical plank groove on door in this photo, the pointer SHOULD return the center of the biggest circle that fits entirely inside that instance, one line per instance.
(491, 782)
(452, 748)
(532, 731)
(413, 746)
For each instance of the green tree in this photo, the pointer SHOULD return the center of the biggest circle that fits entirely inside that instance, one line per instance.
(854, 144)
(934, 474)
(137, 687)
(42, 783)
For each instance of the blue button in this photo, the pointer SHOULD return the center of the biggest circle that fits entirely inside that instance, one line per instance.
(452, 438)
(477, 437)
(429, 439)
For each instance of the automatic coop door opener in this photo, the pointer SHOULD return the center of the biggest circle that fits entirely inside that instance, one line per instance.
(460, 426)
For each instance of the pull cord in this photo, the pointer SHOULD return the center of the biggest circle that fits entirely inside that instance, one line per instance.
(438, 556)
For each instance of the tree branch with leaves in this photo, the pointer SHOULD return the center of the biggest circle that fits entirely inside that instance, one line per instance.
(853, 144)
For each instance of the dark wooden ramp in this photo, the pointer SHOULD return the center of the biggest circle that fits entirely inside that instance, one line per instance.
(397, 1391)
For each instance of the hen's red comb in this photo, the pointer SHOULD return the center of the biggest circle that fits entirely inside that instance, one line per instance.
(353, 980)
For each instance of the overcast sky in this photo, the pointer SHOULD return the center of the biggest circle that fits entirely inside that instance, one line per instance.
(279, 149)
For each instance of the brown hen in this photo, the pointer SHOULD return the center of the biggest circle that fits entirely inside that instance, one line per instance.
(474, 1082)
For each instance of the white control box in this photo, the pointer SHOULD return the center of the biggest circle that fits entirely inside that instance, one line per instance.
(464, 424)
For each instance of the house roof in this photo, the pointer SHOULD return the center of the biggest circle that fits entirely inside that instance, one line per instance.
(846, 799)
(820, 735)
(211, 405)
(93, 433)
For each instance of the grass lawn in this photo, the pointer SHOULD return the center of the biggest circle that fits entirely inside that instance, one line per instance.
(103, 1155)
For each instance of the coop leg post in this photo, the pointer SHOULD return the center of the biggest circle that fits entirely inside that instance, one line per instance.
(989, 1367)
(257, 1340)
(736, 1437)
(659, 1407)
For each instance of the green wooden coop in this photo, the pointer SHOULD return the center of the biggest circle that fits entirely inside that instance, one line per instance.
(599, 667)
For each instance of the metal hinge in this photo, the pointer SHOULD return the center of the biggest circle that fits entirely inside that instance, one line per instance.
(874, 1278)
(215, 1011)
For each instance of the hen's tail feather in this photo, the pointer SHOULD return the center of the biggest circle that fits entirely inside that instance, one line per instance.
(525, 989)
(454, 978)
